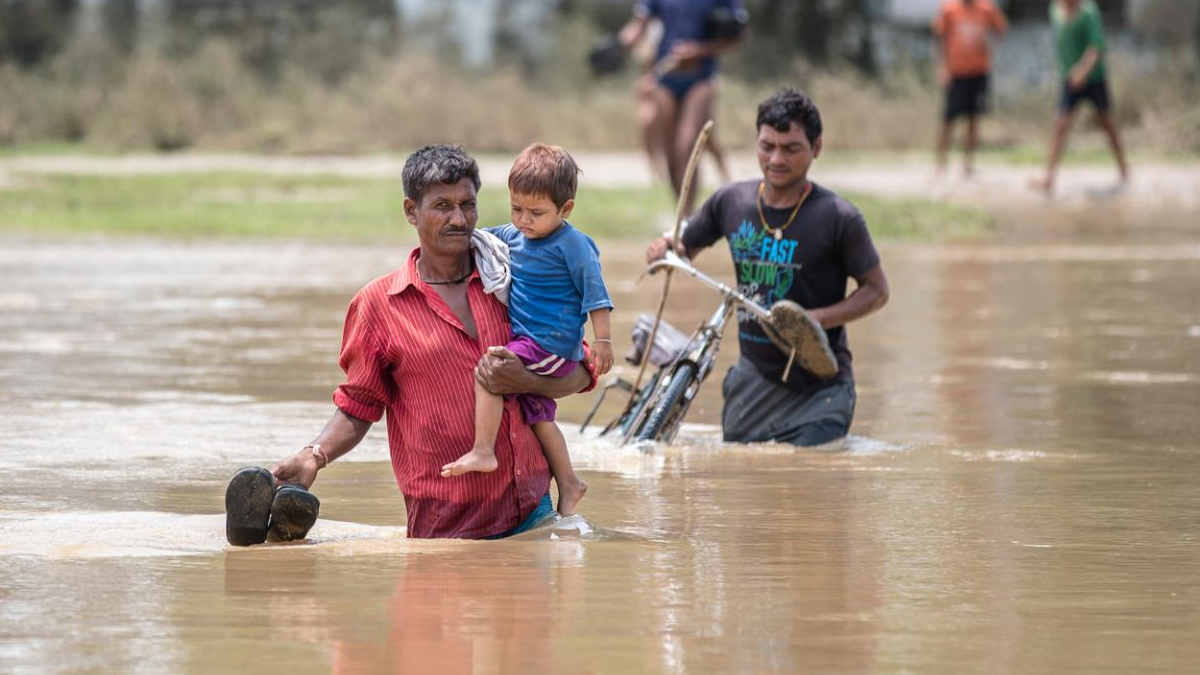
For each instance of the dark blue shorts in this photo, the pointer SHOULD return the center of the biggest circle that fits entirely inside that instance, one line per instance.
(679, 85)
(966, 96)
(1095, 91)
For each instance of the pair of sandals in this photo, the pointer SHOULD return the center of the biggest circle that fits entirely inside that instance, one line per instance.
(257, 510)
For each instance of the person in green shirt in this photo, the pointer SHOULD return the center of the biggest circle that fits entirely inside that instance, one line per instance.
(1079, 48)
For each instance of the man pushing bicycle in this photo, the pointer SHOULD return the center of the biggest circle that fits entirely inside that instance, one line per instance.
(790, 240)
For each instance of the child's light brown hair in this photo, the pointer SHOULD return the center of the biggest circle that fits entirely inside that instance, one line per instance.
(546, 170)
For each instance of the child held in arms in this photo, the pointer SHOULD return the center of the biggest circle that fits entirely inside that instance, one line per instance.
(556, 285)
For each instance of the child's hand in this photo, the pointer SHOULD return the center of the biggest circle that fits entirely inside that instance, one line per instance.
(602, 355)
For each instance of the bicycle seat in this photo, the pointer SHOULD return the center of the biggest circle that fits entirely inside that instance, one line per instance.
(669, 342)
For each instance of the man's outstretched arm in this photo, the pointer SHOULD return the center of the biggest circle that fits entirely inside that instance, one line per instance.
(341, 433)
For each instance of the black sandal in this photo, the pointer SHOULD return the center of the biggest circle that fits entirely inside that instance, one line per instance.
(248, 502)
(293, 512)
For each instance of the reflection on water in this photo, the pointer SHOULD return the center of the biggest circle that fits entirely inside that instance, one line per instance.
(1018, 495)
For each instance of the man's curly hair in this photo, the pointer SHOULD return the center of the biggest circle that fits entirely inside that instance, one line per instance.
(786, 106)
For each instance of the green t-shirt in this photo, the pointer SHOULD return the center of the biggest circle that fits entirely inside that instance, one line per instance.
(1073, 36)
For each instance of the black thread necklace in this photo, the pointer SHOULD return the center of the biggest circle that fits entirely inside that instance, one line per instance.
(452, 282)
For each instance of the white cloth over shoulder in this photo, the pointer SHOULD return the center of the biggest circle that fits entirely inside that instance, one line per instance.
(492, 261)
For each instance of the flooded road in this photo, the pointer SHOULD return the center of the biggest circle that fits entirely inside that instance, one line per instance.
(1019, 493)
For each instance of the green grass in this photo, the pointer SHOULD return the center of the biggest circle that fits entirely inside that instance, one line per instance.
(350, 209)
(188, 205)
(920, 219)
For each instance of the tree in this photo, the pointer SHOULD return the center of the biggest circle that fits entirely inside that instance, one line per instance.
(32, 30)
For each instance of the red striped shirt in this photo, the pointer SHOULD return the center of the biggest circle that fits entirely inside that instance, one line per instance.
(405, 352)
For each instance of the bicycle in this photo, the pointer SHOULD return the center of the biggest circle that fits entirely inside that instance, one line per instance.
(657, 409)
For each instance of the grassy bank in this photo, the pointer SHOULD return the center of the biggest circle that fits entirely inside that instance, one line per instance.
(350, 209)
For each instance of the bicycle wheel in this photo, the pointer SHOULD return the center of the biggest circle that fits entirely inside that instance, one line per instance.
(670, 406)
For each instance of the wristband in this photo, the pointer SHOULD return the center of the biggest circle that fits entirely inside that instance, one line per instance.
(316, 451)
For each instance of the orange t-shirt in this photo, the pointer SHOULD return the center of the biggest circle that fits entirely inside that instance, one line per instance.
(964, 29)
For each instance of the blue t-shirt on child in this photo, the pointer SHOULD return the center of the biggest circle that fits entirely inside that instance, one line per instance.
(556, 283)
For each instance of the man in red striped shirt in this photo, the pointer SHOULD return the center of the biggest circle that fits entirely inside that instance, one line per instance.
(411, 345)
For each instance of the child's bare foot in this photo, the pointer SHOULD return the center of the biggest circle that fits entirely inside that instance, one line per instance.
(1043, 185)
(569, 496)
(475, 460)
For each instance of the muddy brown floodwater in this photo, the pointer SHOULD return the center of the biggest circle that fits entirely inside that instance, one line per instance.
(1019, 493)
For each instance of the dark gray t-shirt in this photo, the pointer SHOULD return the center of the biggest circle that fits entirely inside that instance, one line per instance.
(825, 245)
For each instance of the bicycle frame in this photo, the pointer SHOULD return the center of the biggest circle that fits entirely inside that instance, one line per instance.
(701, 353)
(660, 406)
(672, 260)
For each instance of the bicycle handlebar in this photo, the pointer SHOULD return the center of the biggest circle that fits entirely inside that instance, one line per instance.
(673, 260)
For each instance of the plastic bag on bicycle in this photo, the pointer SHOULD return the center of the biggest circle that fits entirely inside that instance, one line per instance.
(669, 342)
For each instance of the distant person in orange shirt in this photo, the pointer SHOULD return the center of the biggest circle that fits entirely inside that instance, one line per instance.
(963, 28)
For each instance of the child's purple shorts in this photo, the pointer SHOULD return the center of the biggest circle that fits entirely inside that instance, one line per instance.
(536, 408)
